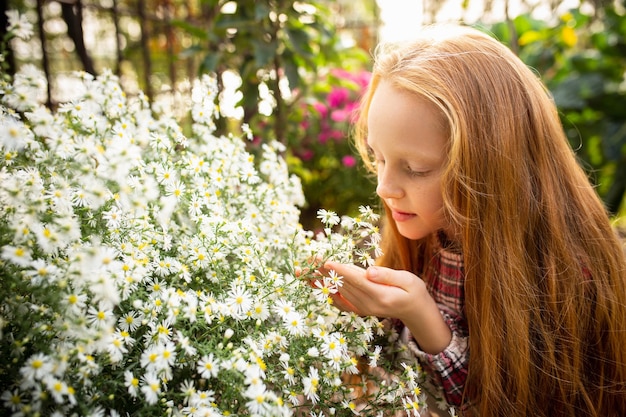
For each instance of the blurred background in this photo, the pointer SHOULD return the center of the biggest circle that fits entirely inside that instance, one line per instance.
(294, 70)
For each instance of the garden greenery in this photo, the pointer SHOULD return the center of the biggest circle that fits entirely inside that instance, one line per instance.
(581, 57)
(149, 272)
(320, 148)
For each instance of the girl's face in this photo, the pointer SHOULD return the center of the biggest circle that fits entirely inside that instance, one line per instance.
(406, 136)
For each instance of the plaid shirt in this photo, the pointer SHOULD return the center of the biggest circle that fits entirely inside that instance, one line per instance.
(445, 277)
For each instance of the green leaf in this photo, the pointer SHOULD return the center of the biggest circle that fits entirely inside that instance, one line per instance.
(300, 41)
(291, 71)
(615, 140)
(191, 29)
(250, 98)
(565, 96)
(248, 70)
(235, 22)
(191, 51)
(261, 11)
(210, 61)
(264, 52)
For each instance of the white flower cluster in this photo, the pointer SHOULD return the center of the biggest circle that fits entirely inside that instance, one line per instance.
(19, 26)
(148, 268)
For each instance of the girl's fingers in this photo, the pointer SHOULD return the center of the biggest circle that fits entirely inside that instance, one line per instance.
(343, 304)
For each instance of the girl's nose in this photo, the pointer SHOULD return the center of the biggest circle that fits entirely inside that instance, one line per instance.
(388, 185)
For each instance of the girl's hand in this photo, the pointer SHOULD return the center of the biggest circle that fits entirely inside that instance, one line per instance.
(378, 291)
(312, 273)
(385, 292)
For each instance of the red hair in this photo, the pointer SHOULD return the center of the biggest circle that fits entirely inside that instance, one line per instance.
(545, 282)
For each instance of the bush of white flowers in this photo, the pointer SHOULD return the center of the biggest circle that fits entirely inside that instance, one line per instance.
(149, 272)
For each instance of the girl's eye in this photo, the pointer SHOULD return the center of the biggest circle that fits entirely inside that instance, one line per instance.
(414, 173)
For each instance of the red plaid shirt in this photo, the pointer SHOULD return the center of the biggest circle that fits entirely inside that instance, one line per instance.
(445, 277)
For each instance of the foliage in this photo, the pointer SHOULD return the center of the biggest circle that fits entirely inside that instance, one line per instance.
(320, 149)
(19, 27)
(582, 59)
(148, 272)
(287, 48)
(277, 44)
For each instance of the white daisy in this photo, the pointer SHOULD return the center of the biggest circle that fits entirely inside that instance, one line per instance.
(130, 321)
(283, 307)
(42, 272)
(100, 317)
(311, 385)
(36, 367)
(19, 25)
(202, 398)
(239, 301)
(329, 218)
(116, 348)
(375, 357)
(294, 323)
(208, 366)
(258, 403)
(18, 255)
(132, 383)
(185, 343)
(14, 136)
(151, 387)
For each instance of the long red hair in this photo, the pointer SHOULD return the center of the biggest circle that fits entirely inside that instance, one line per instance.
(545, 282)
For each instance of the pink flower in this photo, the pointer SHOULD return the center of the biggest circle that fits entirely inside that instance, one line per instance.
(348, 161)
(340, 115)
(320, 108)
(347, 114)
(341, 73)
(324, 136)
(337, 134)
(354, 113)
(306, 154)
(338, 96)
(363, 78)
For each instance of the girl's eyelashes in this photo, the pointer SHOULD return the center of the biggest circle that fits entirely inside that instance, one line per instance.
(414, 173)
(380, 162)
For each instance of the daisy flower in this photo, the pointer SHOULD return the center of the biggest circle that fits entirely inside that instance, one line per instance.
(151, 387)
(130, 321)
(36, 367)
(132, 383)
(208, 367)
(294, 323)
(239, 301)
(329, 218)
(311, 384)
(19, 25)
(18, 255)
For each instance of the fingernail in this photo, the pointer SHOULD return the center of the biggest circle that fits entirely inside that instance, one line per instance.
(372, 272)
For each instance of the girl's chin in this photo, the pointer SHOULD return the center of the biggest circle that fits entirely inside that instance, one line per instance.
(411, 233)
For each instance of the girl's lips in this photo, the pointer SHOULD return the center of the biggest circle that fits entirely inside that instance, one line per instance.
(401, 217)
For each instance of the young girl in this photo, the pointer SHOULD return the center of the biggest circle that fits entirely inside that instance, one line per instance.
(500, 264)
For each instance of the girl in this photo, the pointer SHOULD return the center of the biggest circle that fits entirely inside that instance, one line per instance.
(500, 265)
